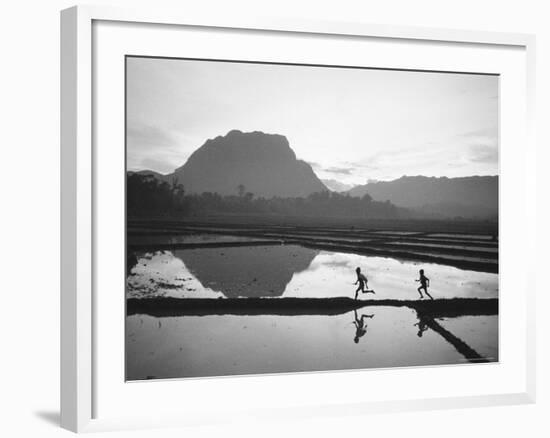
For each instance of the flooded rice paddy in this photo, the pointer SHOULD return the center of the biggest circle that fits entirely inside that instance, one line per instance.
(229, 344)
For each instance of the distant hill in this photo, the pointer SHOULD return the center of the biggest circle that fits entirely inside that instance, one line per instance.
(473, 196)
(337, 186)
(149, 173)
(262, 164)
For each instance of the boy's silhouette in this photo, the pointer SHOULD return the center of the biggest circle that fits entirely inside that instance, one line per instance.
(360, 327)
(424, 284)
(422, 326)
(362, 280)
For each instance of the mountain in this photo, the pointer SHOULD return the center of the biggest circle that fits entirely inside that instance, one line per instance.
(262, 164)
(472, 196)
(337, 186)
(148, 173)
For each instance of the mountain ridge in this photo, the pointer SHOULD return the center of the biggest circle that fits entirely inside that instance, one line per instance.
(470, 196)
(264, 165)
(337, 186)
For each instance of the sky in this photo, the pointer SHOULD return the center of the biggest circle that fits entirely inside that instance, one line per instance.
(351, 125)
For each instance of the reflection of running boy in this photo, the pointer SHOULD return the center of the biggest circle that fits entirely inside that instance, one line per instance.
(360, 326)
(422, 327)
(424, 284)
(362, 280)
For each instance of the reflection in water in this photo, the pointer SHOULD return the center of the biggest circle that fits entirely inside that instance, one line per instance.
(198, 346)
(254, 271)
(479, 332)
(293, 271)
(422, 325)
(162, 274)
(332, 274)
(131, 262)
(261, 271)
(215, 345)
(469, 353)
(360, 326)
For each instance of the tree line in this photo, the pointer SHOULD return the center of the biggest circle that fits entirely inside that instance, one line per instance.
(148, 196)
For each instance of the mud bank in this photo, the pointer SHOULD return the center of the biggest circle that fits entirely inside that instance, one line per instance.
(163, 307)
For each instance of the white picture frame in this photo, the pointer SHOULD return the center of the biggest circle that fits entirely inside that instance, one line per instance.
(79, 366)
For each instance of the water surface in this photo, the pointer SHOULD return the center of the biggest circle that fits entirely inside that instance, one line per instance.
(373, 337)
(234, 345)
(294, 271)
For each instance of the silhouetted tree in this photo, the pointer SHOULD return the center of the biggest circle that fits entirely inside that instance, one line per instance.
(248, 196)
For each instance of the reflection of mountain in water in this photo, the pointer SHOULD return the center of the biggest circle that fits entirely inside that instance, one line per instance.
(262, 271)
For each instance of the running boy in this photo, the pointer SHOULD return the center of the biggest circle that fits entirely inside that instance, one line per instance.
(362, 280)
(424, 284)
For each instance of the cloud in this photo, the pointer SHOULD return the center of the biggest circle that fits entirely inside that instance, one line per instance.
(340, 170)
(148, 135)
(346, 168)
(314, 165)
(365, 166)
(402, 158)
(154, 148)
(482, 145)
(486, 133)
(483, 153)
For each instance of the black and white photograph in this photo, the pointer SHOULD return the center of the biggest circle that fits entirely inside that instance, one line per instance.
(285, 218)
